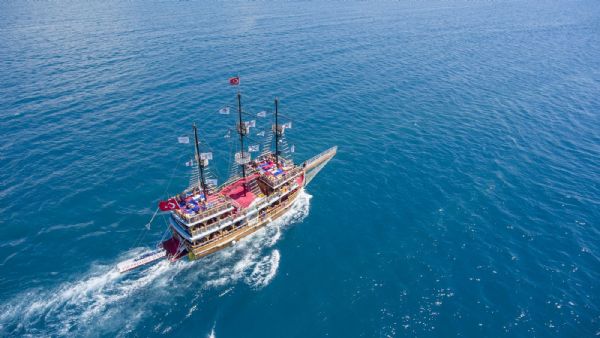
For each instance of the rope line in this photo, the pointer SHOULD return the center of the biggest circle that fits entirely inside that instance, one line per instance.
(140, 238)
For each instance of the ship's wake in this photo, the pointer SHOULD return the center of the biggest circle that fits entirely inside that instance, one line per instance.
(104, 301)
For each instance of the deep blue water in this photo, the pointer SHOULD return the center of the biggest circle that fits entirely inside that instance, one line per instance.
(464, 199)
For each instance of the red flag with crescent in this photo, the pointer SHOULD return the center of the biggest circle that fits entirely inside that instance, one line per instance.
(170, 204)
(234, 81)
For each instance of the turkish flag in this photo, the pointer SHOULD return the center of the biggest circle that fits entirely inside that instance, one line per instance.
(234, 81)
(169, 204)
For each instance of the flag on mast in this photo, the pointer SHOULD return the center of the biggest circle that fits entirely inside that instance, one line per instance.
(253, 148)
(262, 114)
(183, 139)
(224, 111)
(234, 81)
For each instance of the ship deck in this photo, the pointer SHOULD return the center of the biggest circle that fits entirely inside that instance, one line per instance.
(239, 193)
(193, 209)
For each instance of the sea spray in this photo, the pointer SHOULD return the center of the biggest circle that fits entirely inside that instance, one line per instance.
(104, 295)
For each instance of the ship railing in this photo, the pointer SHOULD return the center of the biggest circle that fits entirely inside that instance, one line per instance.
(275, 182)
(277, 209)
(209, 229)
(189, 219)
(230, 220)
(216, 238)
(221, 236)
(274, 197)
(217, 227)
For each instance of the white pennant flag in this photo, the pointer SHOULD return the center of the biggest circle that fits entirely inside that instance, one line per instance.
(292, 149)
(287, 125)
(184, 139)
(262, 114)
(253, 149)
(228, 135)
(189, 163)
(249, 124)
(224, 111)
(262, 133)
(206, 156)
(212, 181)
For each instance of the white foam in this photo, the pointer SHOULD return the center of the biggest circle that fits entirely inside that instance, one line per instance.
(80, 304)
(119, 301)
(264, 271)
(251, 261)
(212, 332)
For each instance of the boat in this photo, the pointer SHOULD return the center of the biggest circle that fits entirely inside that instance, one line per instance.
(144, 259)
(205, 218)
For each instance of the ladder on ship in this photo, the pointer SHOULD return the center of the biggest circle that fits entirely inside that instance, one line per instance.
(254, 188)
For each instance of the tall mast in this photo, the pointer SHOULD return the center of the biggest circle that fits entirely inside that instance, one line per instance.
(201, 181)
(242, 131)
(276, 132)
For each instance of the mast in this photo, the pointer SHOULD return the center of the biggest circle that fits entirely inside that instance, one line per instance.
(276, 133)
(201, 182)
(242, 131)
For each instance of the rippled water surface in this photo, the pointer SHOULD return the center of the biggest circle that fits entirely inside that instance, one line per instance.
(464, 199)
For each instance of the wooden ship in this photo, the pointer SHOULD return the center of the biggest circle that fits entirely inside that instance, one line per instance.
(205, 218)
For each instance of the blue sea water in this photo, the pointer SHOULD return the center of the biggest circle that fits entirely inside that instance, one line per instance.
(464, 199)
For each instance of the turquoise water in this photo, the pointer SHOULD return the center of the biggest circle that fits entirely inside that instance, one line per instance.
(464, 199)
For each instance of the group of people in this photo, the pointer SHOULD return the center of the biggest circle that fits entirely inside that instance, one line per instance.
(269, 167)
(188, 203)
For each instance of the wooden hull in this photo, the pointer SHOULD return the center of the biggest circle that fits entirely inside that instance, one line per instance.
(202, 250)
